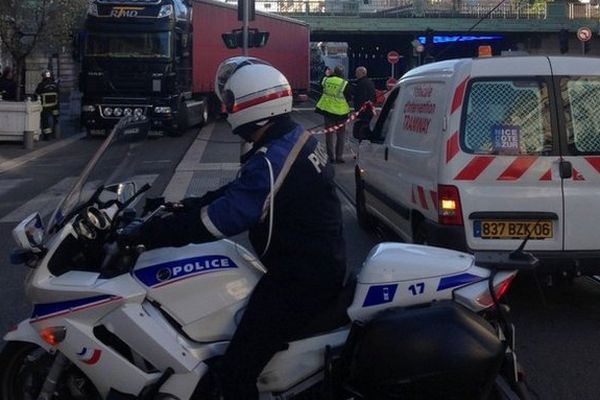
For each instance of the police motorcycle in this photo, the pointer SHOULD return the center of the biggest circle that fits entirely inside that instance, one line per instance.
(124, 323)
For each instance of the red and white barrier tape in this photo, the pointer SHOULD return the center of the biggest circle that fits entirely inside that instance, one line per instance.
(351, 117)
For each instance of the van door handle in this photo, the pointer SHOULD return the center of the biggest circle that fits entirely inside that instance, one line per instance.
(565, 169)
(385, 154)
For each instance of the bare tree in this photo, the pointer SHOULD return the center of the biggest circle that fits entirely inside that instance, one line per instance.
(27, 25)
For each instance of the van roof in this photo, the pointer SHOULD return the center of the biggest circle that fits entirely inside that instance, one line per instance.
(511, 66)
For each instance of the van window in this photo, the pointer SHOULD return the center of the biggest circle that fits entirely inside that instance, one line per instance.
(581, 102)
(382, 126)
(507, 117)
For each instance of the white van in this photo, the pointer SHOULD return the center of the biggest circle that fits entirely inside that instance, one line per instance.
(475, 154)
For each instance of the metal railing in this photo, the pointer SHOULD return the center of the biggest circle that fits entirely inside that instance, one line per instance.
(582, 11)
(404, 8)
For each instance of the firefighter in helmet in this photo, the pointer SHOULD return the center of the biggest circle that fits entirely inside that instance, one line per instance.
(47, 90)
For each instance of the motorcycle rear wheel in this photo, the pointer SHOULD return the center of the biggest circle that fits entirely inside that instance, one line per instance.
(23, 370)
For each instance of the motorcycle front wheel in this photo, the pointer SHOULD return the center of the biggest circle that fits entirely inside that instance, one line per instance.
(23, 371)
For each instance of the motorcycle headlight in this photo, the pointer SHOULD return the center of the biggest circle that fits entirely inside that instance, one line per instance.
(108, 111)
(118, 111)
(128, 111)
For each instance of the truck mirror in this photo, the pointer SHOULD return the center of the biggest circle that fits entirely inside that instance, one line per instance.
(258, 39)
(233, 40)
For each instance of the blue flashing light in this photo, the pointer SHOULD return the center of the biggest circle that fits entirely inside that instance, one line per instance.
(459, 38)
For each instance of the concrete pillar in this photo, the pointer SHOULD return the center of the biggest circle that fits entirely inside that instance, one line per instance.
(28, 139)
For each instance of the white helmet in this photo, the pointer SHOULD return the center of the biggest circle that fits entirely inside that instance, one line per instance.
(252, 91)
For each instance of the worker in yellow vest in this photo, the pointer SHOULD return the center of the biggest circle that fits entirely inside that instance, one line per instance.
(333, 105)
(47, 90)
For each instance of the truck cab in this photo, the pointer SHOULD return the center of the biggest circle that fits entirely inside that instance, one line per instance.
(137, 60)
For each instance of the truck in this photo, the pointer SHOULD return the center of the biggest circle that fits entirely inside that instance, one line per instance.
(158, 58)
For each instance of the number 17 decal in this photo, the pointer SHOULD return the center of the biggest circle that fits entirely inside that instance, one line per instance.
(417, 288)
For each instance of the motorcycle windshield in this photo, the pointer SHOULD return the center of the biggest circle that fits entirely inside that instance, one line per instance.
(112, 163)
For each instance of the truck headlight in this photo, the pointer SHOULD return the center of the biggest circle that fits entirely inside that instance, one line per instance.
(128, 111)
(92, 10)
(162, 110)
(108, 111)
(118, 112)
(138, 111)
(165, 11)
(88, 108)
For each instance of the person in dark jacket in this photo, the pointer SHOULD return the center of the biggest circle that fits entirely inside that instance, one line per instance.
(333, 105)
(8, 86)
(297, 232)
(47, 90)
(364, 89)
(362, 92)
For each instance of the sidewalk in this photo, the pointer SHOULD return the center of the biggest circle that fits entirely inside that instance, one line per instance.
(13, 154)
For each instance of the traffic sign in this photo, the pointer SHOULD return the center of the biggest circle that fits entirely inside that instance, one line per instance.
(390, 83)
(393, 57)
(420, 48)
(584, 34)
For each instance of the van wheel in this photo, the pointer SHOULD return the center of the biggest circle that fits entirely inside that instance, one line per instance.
(420, 234)
(365, 221)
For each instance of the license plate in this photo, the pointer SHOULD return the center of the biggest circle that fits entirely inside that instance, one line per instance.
(506, 229)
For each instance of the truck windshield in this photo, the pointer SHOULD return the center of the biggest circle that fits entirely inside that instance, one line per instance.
(581, 102)
(130, 45)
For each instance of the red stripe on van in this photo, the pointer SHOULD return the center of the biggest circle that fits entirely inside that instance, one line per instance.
(474, 168)
(577, 175)
(459, 94)
(547, 176)
(434, 199)
(451, 147)
(422, 198)
(517, 168)
(594, 162)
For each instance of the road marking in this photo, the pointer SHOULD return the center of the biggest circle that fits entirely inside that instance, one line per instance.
(180, 181)
(7, 185)
(47, 201)
(44, 203)
(194, 154)
(15, 162)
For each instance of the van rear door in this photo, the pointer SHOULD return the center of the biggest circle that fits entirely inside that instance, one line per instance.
(507, 169)
(577, 81)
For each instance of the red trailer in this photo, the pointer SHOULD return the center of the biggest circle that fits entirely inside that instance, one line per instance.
(287, 48)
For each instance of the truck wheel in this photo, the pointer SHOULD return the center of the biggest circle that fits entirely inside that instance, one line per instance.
(365, 221)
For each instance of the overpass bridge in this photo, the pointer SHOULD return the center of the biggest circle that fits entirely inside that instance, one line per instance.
(373, 27)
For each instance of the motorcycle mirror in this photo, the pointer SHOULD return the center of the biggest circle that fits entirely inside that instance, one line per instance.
(120, 191)
(29, 234)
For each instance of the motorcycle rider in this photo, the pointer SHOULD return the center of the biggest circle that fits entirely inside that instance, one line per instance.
(47, 89)
(285, 196)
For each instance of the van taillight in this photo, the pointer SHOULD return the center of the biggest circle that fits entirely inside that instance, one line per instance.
(449, 210)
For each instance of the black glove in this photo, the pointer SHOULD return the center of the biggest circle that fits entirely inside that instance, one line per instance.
(132, 234)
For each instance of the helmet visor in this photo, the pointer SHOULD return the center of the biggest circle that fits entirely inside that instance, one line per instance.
(226, 70)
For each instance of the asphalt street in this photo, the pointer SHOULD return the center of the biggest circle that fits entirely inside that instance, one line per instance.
(557, 327)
